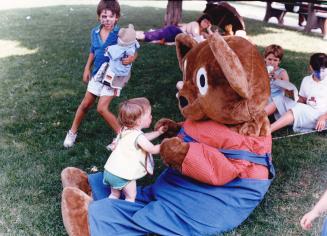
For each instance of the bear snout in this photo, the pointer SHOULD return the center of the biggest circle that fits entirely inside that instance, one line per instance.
(183, 101)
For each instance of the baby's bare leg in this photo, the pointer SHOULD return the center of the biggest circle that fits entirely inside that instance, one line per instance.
(130, 191)
(115, 193)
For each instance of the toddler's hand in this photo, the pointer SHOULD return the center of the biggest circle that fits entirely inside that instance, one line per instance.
(112, 146)
(163, 129)
(307, 219)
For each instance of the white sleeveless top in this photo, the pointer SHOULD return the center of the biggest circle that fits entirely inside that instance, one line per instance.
(127, 160)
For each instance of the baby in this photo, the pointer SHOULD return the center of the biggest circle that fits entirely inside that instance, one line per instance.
(114, 73)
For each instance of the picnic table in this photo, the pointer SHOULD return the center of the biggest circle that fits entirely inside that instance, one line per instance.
(314, 13)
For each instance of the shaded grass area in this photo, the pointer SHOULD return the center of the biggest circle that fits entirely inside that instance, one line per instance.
(40, 91)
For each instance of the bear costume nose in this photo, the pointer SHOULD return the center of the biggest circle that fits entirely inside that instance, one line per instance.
(183, 101)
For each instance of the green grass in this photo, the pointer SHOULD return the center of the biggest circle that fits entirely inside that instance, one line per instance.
(41, 66)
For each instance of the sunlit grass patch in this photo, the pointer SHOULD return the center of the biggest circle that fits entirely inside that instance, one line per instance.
(14, 48)
(294, 41)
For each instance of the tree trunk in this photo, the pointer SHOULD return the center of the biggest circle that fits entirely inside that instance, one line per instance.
(173, 14)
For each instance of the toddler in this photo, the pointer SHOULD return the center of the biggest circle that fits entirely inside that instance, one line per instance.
(102, 36)
(128, 161)
(310, 111)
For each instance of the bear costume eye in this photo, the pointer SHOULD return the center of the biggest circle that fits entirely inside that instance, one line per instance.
(202, 81)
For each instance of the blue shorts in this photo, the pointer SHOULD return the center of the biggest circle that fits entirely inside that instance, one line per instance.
(114, 181)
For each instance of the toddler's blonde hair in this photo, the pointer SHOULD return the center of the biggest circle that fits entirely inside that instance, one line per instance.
(131, 110)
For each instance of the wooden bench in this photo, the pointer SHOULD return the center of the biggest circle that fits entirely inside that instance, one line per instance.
(315, 14)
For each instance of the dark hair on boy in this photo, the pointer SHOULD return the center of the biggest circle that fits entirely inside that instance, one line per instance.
(204, 16)
(112, 5)
(318, 60)
(131, 110)
(274, 49)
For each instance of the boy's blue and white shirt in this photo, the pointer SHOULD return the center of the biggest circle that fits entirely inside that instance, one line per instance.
(116, 53)
(98, 47)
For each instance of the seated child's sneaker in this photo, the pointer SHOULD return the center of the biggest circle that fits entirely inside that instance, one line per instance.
(70, 139)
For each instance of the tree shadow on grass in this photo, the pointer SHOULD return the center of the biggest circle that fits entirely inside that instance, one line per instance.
(41, 90)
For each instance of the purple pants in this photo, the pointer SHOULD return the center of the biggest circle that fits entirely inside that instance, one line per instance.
(167, 33)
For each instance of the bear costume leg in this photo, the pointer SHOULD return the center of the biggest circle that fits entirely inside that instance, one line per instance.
(75, 200)
(74, 177)
(74, 210)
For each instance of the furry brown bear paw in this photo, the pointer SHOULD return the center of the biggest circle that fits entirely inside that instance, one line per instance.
(74, 177)
(171, 126)
(173, 152)
(74, 210)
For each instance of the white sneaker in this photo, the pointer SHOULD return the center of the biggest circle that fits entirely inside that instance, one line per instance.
(70, 139)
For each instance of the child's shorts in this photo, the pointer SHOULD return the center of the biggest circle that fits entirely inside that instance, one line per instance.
(99, 89)
(283, 104)
(114, 181)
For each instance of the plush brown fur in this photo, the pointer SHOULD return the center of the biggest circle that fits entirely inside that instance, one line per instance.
(225, 80)
(74, 208)
(76, 197)
(171, 148)
(74, 177)
(172, 127)
(238, 85)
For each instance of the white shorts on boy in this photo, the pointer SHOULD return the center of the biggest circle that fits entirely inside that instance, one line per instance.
(99, 89)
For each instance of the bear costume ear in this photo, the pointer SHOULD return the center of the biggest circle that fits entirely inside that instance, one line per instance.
(230, 64)
(184, 43)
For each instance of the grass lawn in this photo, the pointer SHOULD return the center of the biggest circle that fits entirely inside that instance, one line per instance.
(42, 55)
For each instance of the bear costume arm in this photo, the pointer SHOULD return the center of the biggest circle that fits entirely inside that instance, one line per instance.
(208, 165)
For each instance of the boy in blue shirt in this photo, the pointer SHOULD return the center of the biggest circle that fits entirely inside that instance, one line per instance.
(102, 36)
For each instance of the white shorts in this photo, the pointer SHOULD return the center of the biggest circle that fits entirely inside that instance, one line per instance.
(283, 104)
(99, 89)
(305, 117)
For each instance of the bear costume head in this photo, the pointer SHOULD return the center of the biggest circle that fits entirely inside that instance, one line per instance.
(225, 80)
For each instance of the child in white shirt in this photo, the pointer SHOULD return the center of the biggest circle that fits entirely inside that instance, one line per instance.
(310, 111)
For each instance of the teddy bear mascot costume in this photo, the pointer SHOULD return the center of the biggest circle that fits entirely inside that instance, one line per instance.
(219, 158)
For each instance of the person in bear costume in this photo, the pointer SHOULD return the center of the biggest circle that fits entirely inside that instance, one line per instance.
(219, 164)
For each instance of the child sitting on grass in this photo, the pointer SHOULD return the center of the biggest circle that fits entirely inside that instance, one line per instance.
(310, 111)
(278, 102)
(128, 161)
